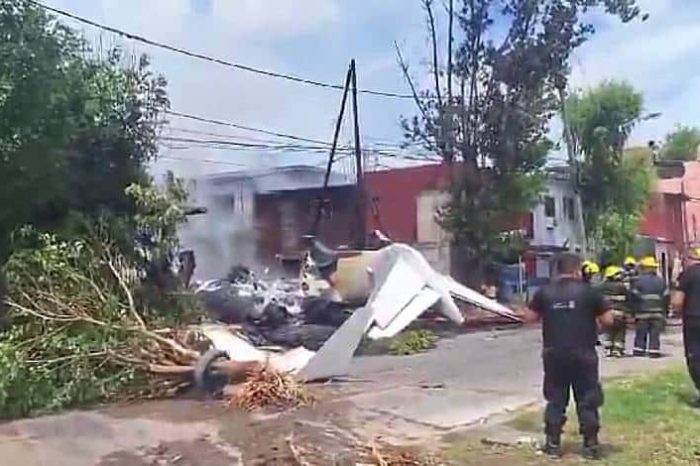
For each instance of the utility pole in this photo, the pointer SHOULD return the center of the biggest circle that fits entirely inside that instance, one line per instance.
(334, 146)
(360, 187)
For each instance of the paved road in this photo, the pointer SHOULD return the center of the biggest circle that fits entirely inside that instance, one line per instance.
(463, 381)
(472, 377)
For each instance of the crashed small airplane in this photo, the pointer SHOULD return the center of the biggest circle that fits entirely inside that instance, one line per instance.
(393, 285)
(399, 285)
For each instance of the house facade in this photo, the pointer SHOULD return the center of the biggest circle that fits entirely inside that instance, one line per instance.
(405, 203)
(671, 222)
(255, 215)
(257, 218)
(556, 224)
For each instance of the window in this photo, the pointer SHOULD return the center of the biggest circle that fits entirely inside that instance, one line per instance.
(325, 206)
(569, 209)
(549, 207)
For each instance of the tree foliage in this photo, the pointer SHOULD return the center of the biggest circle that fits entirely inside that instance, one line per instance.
(615, 182)
(81, 311)
(682, 143)
(487, 115)
(76, 126)
(85, 236)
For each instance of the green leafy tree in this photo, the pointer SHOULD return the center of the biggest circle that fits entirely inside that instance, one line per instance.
(615, 182)
(76, 128)
(681, 144)
(487, 113)
(81, 308)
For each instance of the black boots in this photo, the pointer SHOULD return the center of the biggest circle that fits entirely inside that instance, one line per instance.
(591, 446)
(552, 445)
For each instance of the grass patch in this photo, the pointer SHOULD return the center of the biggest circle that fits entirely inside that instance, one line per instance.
(412, 342)
(646, 421)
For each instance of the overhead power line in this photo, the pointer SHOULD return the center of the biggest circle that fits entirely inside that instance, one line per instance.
(201, 119)
(229, 144)
(189, 159)
(219, 61)
(243, 127)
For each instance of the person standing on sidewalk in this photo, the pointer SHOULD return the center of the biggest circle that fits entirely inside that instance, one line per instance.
(686, 301)
(616, 291)
(571, 311)
(650, 300)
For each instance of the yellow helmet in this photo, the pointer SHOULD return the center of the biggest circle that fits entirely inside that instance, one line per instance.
(649, 262)
(629, 260)
(694, 253)
(612, 271)
(590, 267)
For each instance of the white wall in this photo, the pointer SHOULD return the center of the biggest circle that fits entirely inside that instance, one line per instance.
(554, 232)
(433, 240)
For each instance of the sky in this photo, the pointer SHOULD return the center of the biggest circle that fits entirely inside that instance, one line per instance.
(317, 38)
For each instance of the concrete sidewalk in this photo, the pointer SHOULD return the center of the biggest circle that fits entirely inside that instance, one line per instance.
(470, 378)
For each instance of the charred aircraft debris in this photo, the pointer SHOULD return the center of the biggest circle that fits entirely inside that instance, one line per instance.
(317, 321)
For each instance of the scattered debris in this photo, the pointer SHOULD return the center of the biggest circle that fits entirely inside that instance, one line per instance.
(394, 285)
(385, 455)
(412, 342)
(371, 454)
(266, 387)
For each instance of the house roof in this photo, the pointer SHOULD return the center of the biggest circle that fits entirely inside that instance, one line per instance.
(688, 184)
(285, 178)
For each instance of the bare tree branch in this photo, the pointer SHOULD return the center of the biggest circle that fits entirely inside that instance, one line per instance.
(450, 40)
(407, 76)
(127, 293)
(428, 5)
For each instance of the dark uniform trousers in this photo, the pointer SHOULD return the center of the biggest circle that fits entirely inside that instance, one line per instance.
(572, 369)
(651, 298)
(648, 335)
(617, 334)
(691, 342)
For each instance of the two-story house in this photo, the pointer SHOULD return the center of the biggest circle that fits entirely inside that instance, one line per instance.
(556, 223)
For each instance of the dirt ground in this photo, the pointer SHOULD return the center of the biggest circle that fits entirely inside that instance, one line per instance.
(323, 434)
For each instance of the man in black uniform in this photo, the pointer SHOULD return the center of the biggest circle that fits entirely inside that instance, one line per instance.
(686, 300)
(570, 311)
(650, 299)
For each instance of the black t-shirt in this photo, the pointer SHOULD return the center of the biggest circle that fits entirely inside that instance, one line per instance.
(689, 284)
(569, 309)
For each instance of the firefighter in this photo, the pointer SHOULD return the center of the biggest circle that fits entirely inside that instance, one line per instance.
(570, 311)
(590, 271)
(616, 291)
(650, 301)
(630, 270)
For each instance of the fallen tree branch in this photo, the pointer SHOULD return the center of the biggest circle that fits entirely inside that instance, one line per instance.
(127, 293)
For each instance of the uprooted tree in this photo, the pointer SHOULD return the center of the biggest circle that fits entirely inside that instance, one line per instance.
(488, 110)
(84, 324)
(615, 183)
(85, 238)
